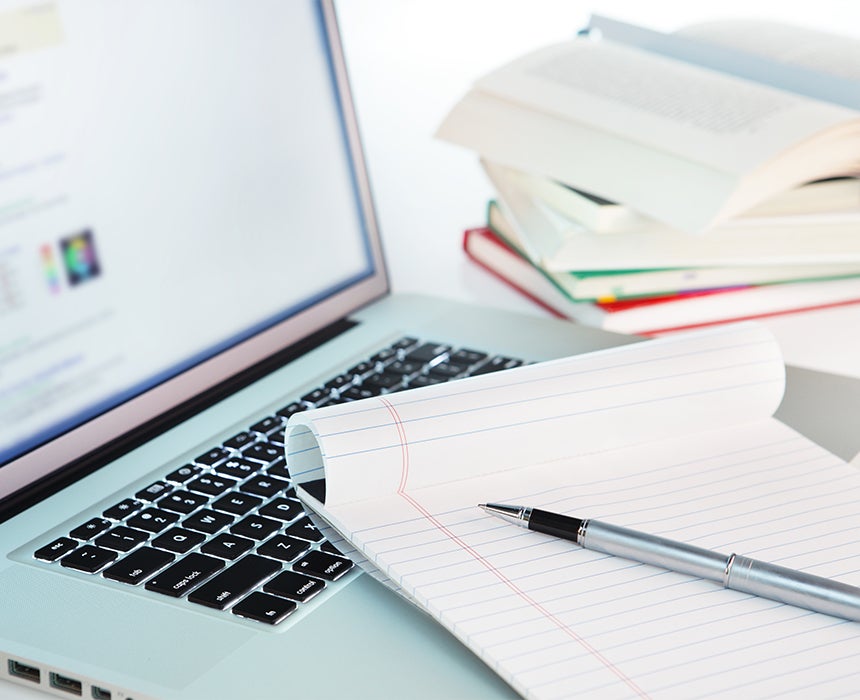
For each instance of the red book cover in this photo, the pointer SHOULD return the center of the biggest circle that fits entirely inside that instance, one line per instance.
(655, 315)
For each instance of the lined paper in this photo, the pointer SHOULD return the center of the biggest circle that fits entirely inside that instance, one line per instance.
(673, 437)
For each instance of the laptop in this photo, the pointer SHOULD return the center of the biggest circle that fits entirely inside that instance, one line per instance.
(188, 256)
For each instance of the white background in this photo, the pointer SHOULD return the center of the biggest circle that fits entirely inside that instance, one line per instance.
(410, 60)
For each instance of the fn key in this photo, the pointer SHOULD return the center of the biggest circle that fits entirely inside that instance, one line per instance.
(264, 608)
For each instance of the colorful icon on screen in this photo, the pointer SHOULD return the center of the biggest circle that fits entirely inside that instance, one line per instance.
(49, 268)
(79, 257)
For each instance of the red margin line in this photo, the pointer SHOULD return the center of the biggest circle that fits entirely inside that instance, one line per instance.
(401, 491)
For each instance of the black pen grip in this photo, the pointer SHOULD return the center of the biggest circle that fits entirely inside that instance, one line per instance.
(554, 524)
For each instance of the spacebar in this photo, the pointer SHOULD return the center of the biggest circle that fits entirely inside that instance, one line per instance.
(231, 584)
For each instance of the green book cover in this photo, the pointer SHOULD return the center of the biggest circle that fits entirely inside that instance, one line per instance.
(615, 285)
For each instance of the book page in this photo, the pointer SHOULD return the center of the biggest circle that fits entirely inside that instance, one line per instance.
(557, 245)
(816, 64)
(830, 54)
(730, 124)
(608, 165)
(555, 620)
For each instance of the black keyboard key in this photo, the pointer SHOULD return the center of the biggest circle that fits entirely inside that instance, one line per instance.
(212, 457)
(231, 584)
(90, 529)
(207, 521)
(255, 526)
(264, 453)
(54, 550)
(123, 509)
(467, 357)
(227, 546)
(183, 502)
(405, 343)
(279, 468)
(424, 380)
(330, 548)
(356, 393)
(138, 566)
(279, 437)
(238, 468)
(383, 357)
(268, 425)
(361, 369)
(404, 367)
(211, 485)
(285, 509)
(88, 559)
(266, 486)
(448, 370)
(496, 364)
(237, 503)
(289, 584)
(264, 608)
(340, 382)
(290, 409)
(304, 529)
(154, 491)
(122, 539)
(323, 565)
(183, 474)
(152, 520)
(284, 548)
(185, 575)
(427, 352)
(240, 440)
(178, 540)
(384, 381)
(316, 397)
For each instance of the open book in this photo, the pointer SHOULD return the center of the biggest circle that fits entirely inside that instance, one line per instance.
(817, 202)
(556, 243)
(672, 436)
(690, 129)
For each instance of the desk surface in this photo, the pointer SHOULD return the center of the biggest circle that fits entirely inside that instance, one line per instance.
(411, 61)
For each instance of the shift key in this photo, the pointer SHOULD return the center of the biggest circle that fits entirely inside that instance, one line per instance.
(230, 585)
(184, 575)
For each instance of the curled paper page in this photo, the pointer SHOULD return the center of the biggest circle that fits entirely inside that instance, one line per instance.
(673, 437)
(538, 413)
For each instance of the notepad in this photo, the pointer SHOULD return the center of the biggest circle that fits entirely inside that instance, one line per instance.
(674, 437)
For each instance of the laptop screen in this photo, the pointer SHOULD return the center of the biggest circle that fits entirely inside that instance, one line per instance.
(175, 179)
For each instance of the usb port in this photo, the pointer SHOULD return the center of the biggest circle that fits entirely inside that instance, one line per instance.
(101, 693)
(66, 684)
(19, 670)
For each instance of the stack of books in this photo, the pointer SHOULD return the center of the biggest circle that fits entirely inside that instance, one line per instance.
(648, 182)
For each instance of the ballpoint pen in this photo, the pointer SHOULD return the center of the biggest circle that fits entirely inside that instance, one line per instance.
(733, 571)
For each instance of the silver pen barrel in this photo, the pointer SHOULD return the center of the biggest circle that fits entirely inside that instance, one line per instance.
(650, 549)
(793, 587)
(733, 571)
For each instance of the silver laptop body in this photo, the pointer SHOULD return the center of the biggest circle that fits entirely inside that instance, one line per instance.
(188, 245)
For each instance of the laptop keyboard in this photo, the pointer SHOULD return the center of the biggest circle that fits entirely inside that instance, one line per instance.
(226, 530)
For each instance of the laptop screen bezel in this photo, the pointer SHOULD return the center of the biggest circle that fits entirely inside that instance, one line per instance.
(84, 441)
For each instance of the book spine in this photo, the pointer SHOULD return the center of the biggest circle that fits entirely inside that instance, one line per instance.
(468, 240)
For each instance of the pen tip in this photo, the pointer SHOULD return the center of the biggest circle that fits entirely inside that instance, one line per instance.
(482, 505)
